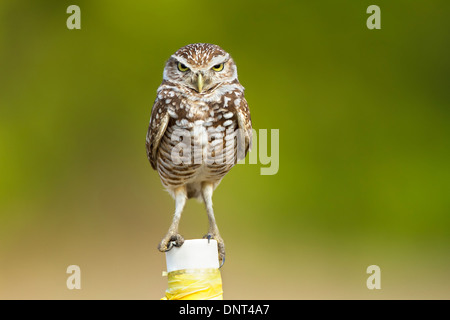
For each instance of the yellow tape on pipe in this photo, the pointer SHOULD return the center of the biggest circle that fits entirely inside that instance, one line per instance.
(194, 284)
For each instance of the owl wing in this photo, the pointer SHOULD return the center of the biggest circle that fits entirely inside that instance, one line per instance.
(245, 133)
(156, 129)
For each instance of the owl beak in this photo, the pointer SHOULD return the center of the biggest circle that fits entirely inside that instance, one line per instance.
(200, 83)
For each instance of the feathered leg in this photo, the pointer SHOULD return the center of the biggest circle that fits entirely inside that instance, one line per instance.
(213, 232)
(172, 237)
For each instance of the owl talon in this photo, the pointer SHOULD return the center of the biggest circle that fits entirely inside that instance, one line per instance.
(170, 241)
(220, 246)
(222, 260)
(208, 236)
(221, 257)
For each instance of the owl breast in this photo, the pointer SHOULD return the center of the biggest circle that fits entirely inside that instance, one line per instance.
(199, 143)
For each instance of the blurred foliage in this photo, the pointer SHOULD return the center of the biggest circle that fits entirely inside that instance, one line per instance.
(364, 139)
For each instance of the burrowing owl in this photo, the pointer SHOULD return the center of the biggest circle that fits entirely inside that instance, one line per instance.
(199, 128)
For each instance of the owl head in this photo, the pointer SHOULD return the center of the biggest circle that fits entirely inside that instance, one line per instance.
(200, 67)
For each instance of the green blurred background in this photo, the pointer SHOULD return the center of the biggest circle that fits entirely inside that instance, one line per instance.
(364, 148)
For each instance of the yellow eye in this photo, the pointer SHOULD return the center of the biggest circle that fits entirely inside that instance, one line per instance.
(218, 67)
(182, 67)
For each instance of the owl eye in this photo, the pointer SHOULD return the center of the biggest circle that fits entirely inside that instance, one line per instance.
(182, 67)
(218, 67)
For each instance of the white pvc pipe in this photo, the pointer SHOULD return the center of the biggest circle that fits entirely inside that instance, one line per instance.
(193, 254)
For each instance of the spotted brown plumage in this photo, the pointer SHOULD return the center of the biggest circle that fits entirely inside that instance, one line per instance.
(200, 126)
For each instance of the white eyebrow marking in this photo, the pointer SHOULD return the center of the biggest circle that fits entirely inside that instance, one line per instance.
(218, 60)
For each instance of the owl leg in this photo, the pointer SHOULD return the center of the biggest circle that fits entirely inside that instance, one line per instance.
(172, 238)
(213, 232)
